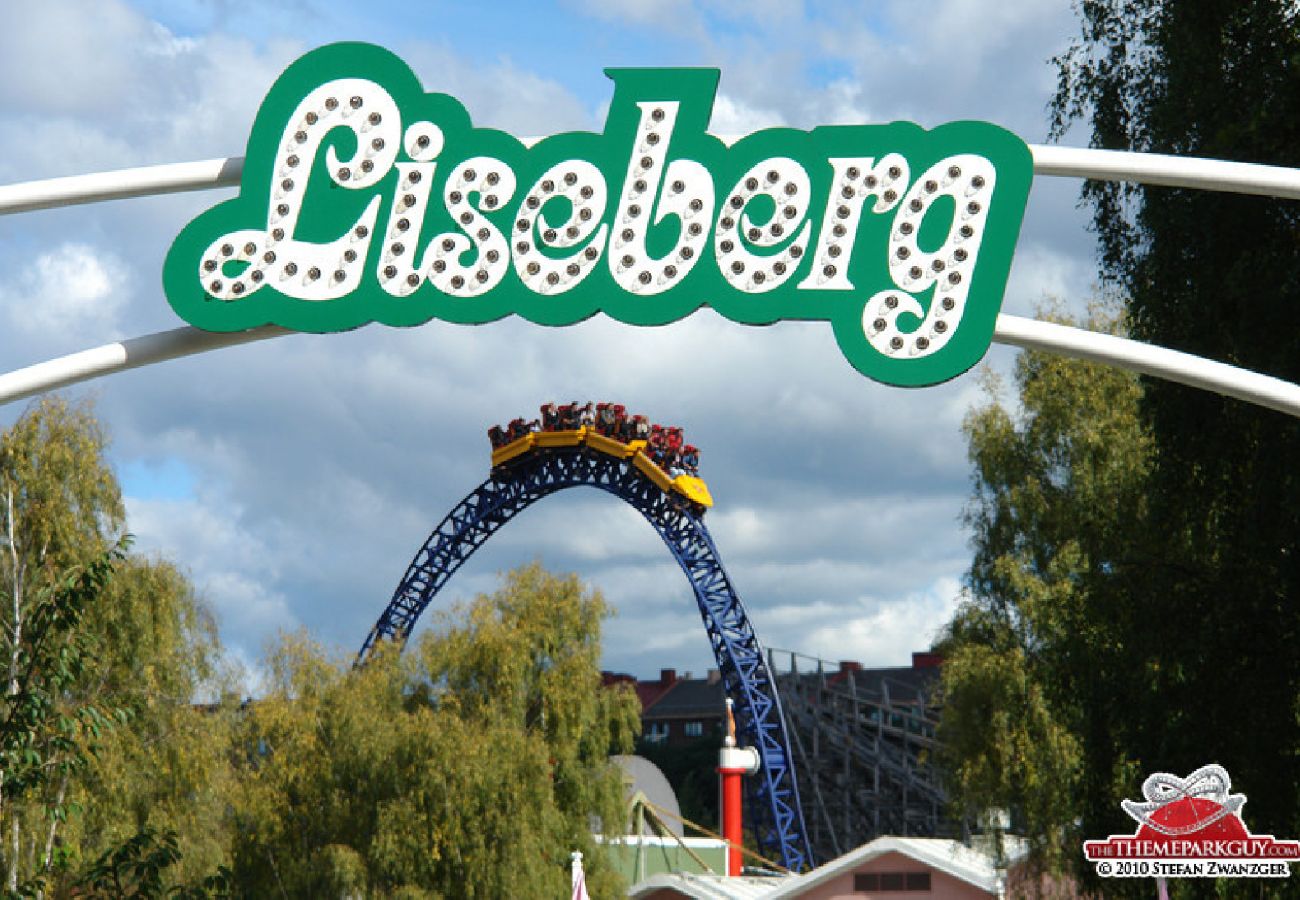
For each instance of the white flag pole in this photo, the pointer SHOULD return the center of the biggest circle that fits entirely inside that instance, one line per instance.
(577, 877)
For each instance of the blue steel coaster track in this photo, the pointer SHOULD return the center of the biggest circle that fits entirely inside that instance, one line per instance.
(775, 815)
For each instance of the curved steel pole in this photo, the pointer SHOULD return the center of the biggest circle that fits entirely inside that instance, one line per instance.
(119, 184)
(1221, 378)
(1171, 365)
(119, 356)
(1166, 171)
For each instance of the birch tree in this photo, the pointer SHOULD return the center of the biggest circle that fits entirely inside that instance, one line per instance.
(60, 508)
(104, 750)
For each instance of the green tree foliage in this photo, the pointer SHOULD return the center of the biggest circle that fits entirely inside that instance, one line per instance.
(138, 868)
(85, 647)
(169, 772)
(469, 767)
(1048, 667)
(60, 509)
(1214, 274)
(44, 739)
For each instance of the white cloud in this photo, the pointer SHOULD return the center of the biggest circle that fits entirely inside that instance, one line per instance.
(842, 103)
(661, 15)
(759, 12)
(231, 567)
(499, 94)
(68, 56)
(733, 117)
(1043, 272)
(887, 635)
(73, 289)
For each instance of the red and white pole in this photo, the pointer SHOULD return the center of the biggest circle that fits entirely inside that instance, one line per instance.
(733, 764)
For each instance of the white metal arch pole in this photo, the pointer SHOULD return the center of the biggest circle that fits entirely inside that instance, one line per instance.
(1171, 365)
(1167, 171)
(120, 356)
(1108, 165)
(120, 184)
(1262, 390)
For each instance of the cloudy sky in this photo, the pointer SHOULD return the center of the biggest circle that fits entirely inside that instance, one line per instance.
(294, 479)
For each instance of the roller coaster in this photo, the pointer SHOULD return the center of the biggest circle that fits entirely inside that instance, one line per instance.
(529, 465)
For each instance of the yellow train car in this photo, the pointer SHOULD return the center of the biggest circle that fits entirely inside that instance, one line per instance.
(647, 467)
(517, 447)
(559, 438)
(693, 488)
(610, 447)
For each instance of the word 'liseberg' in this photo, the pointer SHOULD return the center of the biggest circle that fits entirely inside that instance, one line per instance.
(365, 199)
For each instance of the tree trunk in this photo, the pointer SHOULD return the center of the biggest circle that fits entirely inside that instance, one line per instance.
(16, 595)
(48, 857)
(15, 838)
(15, 638)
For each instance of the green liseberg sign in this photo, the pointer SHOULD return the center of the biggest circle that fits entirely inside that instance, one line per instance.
(365, 199)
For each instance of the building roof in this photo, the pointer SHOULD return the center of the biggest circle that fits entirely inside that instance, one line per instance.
(689, 698)
(709, 887)
(948, 856)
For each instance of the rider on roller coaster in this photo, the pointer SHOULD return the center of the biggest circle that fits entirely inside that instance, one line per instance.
(664, 444)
